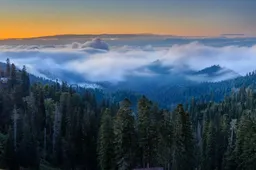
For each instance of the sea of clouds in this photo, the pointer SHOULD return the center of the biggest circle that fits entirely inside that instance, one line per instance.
(97, 61)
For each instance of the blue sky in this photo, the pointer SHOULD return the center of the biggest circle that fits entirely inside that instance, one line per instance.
(26, 18)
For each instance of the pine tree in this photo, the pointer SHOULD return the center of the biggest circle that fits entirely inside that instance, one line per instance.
(25, 82)
(223, 133)
(13, 78)
(8, 68)
(41, 110)
(229, 159)
(3, 139)
(204, 144)
(10, 154)
(183, 151)
(105, 142)
(211, 148)
(64, 87)
(146, 132)
(64, 109)
(15, 118)
(2, 73)
(165, 139)
(56, 138)
(124, 133)
(246, 140)
(28, 152)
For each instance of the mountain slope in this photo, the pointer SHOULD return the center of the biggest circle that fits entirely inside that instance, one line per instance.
(213, 73)
(163, 92)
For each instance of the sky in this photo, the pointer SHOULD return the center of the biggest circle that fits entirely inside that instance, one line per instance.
(33, 18)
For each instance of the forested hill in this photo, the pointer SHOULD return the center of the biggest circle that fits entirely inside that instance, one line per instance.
(167, 96)
(53, 127)
(32, 78)
(170, 96)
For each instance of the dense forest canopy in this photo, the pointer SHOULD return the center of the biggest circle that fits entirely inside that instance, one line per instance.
(54, 126)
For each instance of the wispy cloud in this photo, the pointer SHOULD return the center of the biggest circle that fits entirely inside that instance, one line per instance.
(74, 63)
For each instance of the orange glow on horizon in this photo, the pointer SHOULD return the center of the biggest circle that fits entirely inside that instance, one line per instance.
(27, 18)
(9, 33)
(33, 28)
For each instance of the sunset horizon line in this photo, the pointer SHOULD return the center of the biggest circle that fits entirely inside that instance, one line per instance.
(139, 33)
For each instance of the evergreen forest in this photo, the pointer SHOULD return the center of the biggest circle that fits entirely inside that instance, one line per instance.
(52, 126)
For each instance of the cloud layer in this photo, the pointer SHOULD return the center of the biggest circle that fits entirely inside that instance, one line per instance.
(93, 61)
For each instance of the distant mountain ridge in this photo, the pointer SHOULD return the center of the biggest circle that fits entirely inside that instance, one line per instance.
(212, 70)
(214, 73)
(63, 36)
(110, 35)
(217, 70)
